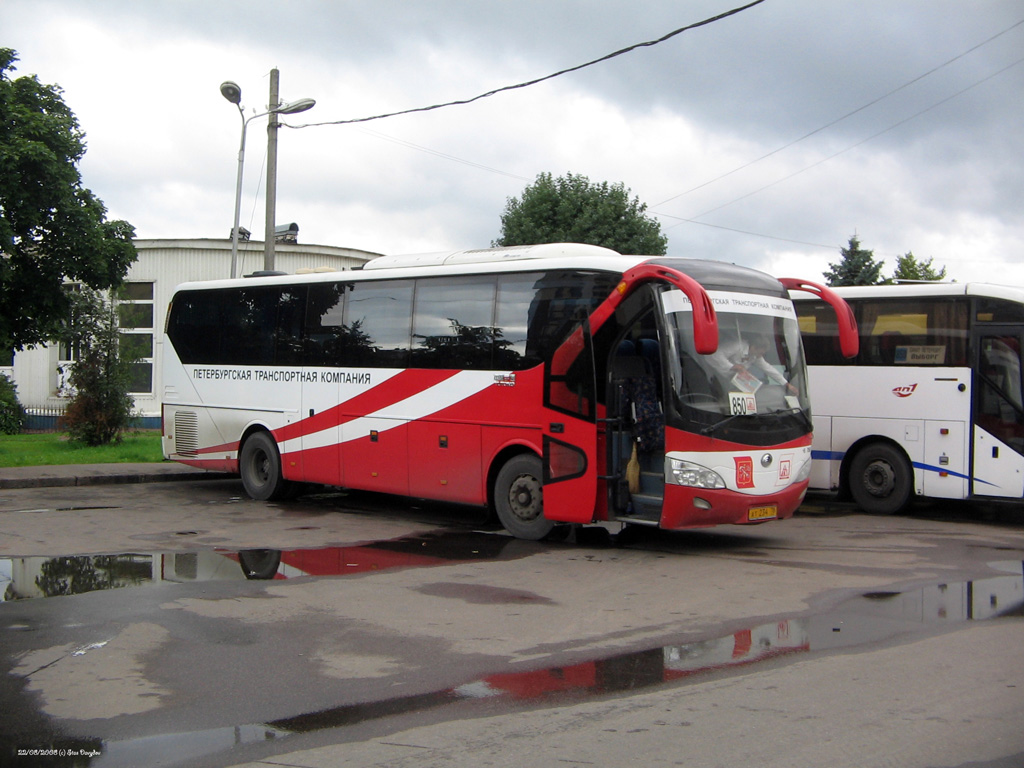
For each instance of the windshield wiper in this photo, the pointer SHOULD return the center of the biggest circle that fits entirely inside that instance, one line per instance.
(712, 427)
(791, 411)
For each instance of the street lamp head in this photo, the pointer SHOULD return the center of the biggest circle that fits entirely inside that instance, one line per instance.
(231, 91)
(292, 107)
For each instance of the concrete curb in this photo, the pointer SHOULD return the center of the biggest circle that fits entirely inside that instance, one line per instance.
(101, 474)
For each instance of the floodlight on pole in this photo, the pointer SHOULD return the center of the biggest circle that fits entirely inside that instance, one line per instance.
(232, 92)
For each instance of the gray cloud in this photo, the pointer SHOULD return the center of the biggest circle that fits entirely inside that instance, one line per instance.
(934, 167)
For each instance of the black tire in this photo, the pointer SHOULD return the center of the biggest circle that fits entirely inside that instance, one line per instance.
(260, 467)
(259, 563)
(881, 479)
(519, 499)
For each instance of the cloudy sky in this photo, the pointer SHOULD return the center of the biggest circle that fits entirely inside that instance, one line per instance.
(767, 138)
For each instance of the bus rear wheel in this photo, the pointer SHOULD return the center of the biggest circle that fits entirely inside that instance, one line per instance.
(519, 498)
(260, 467)
(881, 479)
(259, 563)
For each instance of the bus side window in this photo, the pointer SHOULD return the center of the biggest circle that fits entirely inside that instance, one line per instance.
(889, 344)
(378, 323)
(561, 300)
(820, 334)
(453, 323)
(512, 310)
(196, 326)
(253, 312)
(325, 335)
(291, 310)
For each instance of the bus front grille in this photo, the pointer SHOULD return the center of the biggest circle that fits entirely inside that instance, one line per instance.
(186, 433)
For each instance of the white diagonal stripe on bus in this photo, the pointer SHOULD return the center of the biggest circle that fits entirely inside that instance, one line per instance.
(436, 398)
(442, 395)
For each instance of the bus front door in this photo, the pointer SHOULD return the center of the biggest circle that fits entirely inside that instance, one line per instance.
(636, 426)
(570, 431)
(999, 413)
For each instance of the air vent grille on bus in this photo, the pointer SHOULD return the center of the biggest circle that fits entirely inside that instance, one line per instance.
(186, 433)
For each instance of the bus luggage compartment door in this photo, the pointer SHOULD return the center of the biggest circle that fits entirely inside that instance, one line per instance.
(570, 431)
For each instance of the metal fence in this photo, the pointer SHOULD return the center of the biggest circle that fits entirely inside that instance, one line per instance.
(43, 418)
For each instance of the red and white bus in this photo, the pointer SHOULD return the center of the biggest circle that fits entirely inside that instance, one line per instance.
(557, 383)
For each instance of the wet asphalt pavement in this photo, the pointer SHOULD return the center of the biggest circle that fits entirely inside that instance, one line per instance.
(391, 632)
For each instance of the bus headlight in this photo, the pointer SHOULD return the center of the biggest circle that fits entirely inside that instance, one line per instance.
(680, 472)
(804, 473)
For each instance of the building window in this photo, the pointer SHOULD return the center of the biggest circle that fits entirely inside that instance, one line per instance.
(67, 354)
(135, 316)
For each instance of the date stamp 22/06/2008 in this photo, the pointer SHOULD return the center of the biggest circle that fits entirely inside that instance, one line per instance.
(57, 752)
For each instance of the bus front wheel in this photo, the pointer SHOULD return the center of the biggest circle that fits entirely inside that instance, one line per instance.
(881, 479)
(260, 467)
(519, 498)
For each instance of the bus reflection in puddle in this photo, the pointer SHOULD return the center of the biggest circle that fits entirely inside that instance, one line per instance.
(31, 577)
(868, 618)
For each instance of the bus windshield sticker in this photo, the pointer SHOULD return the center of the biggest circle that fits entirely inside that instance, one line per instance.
(742, 403)
(745, 381)
(735, 303)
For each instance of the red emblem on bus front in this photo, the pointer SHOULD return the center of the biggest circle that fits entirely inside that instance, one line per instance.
(904, 391)
(744, 471)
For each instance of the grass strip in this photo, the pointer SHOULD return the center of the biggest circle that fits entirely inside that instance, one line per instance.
(54, 448)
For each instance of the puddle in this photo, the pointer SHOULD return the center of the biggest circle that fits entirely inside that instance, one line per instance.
(32, 577)
(80, 509)
(869, 618)
(872, 617)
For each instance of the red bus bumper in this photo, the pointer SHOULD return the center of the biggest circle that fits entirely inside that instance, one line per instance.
(686, 507)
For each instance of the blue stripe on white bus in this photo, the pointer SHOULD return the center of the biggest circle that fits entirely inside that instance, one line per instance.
(840, 455)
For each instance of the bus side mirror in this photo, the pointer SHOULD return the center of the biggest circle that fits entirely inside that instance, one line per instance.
(849, 338)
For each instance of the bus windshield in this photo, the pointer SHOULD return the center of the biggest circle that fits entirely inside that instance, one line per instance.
(758, 368)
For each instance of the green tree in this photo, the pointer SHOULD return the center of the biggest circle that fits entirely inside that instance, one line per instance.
(910, 269)
(80, 574)
(570, 209)
(858, 267)
(100, 409)
(51, 228)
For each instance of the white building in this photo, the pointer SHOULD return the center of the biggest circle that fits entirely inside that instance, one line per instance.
(40, 373)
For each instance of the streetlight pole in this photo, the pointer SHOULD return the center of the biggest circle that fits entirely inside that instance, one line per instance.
(233, 93)
(271, 218)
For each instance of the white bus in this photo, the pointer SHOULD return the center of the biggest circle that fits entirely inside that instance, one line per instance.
(931, 405)
(554, 383)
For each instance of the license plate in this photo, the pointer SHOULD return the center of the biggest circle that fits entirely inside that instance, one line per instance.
(762, 513)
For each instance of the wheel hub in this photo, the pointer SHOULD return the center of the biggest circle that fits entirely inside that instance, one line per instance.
(525, 498)
(879, 478)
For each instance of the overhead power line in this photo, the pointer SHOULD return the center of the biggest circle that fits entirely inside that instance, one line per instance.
(681, 220)
(444, 155)
(840, 119)
(535, 81)
(857, 144)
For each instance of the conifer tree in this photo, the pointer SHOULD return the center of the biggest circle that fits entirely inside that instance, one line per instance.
(858, 267)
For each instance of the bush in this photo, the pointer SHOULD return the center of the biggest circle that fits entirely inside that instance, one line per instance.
(12, 415)
(100, 411)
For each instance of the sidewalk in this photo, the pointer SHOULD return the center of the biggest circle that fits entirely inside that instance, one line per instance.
(101, 474)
